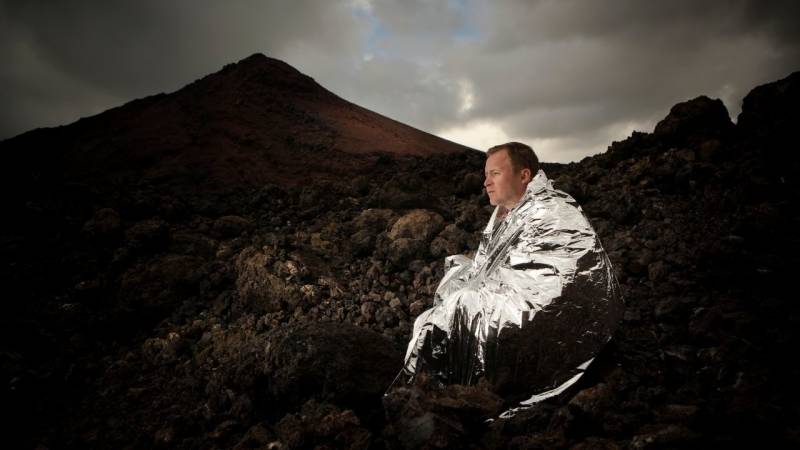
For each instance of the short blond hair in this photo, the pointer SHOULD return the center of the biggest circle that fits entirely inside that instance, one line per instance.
(521, 155)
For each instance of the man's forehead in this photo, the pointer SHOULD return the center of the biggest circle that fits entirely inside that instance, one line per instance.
(498, 159)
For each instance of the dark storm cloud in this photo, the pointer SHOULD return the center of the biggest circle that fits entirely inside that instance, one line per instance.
(577, 68)
(415, 94)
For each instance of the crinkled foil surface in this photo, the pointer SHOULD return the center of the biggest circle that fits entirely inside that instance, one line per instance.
(529, 312)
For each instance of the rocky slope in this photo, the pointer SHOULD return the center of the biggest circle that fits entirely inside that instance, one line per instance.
(181, 275)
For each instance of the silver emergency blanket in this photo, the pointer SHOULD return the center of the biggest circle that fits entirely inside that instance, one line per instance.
(532, 309)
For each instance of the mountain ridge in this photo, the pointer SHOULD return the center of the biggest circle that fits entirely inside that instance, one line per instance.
(240, 126)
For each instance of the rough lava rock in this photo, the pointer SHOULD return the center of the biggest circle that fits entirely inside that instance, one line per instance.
(424, 416)
(699, 118)
(333, 362)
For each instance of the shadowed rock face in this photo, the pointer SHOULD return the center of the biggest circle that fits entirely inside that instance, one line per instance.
(695, 120)
(178, 275)
(320, 359)
(772, 107)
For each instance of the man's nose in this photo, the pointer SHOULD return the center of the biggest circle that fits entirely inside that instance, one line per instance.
(486, 181)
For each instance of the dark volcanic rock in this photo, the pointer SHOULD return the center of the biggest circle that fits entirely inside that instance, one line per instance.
(322, 425)
(771, 108)
(699, 118)
(410, 235)
(332, 362)
(258, 288)
(769, 121)
(104, 224)
(417, 224)
(148, 235)
(160, 283)
(231, 226)
(451, 241)
(423, 416)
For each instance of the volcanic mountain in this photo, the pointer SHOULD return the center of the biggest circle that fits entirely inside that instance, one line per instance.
(253, 122)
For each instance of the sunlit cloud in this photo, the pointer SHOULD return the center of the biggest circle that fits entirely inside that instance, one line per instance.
(466, 95)
(479, 134)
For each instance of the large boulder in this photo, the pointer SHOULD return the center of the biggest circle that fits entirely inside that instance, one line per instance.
(338, 363)
(161, 282)
(366, 226)
(425, 416)
(149, 235)
(772, 106)
(770, 117)
(417, 224)
(321, 425)
(409, 237)
(373, 220)
(259, 289)
(231, 226)
(104, 224)
(695, 120)
(452, 240)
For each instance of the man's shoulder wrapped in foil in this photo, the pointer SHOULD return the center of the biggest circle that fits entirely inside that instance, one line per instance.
(530, 311)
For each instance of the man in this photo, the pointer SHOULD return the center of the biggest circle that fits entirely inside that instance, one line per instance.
(536, 304)
(506, 181)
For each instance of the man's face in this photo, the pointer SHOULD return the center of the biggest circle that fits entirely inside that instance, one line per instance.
(503, 186)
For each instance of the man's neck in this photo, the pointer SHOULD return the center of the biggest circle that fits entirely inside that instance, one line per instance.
(502, 212)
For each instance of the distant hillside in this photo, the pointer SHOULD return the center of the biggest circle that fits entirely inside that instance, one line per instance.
(254, 122)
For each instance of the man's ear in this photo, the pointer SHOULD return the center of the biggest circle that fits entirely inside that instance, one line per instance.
(526, 175)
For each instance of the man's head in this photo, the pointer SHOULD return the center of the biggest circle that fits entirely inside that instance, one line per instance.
(509, 169)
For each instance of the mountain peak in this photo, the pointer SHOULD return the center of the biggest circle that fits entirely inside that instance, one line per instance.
(255, 121)
(258, 62)
(260, 75)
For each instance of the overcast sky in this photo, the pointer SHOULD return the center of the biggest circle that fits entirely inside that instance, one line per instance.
(566, 76)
